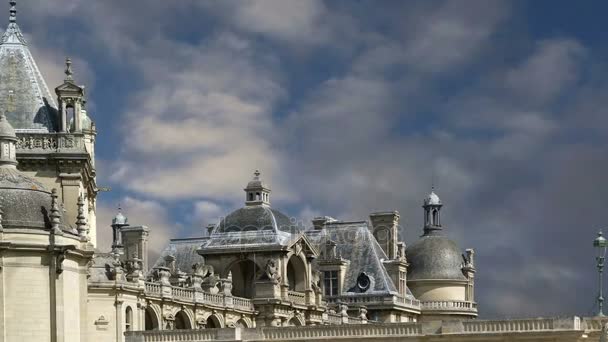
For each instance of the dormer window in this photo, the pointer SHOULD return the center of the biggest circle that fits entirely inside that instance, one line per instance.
(330, 283)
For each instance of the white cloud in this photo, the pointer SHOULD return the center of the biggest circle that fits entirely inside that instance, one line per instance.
(553, 65)
(452, 34)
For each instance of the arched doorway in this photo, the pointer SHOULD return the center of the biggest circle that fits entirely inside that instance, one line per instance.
(296, 274)
(213, 323)
(182, 321)
(151, 319)
(243, 278)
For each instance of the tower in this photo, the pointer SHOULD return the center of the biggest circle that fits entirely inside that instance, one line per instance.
(436, 273)
(55, 147)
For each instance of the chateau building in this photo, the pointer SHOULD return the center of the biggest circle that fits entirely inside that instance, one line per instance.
(255, 275)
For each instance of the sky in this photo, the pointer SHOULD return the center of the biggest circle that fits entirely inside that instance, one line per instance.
(350, 107)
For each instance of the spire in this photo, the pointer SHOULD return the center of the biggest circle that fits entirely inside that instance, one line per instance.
(68, 70)
(8, 138)
(257, 192)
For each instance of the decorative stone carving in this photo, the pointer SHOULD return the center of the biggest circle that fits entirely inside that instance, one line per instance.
(162, 275)
(604, 333)
(363, 313)
(117, 268)
(271, 271)
(227, 285)
(134, 269)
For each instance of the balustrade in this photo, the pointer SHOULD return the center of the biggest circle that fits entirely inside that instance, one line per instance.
(449, 305)
(155, 289)
(296, 297)
(517, 325)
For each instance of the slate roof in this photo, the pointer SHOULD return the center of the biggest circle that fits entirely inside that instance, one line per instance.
(356, 243)
(258, 217)
(184, 251)
(24, 94)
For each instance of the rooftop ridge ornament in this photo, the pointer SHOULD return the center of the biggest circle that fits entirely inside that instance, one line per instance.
(13, 11)
(68, 70)
(13, 34)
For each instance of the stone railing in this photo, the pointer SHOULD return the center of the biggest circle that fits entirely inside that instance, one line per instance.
(368, 300)
(182, 293)
(334, 318)
(515, 325)
(173, 335)
(449, 305)
(340, 331)
(49, 142)
(411, 302)
(242, 303)
(296, 297)
(542, 329)
(191, 295)
(153, 289)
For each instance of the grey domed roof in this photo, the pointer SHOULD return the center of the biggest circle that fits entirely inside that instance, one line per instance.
(120, 219)
(259, 217)
(432, 199)
(434, 256)
(25, 202)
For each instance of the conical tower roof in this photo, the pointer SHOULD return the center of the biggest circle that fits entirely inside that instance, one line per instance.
(24, 95)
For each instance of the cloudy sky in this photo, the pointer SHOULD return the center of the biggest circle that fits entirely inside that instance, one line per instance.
(348, 107)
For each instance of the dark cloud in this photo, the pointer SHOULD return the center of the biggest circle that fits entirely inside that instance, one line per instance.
(384, 101)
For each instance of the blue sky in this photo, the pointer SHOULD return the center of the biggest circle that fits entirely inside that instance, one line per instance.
(349, 107)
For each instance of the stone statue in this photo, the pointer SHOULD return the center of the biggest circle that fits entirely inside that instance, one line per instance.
(271, 271)
(604, 333)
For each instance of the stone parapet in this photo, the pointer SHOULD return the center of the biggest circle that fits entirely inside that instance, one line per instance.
(541, 329)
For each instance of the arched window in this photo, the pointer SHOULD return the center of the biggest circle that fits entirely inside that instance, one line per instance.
(243, 278)
(296, 274)
(151, 319)
(182, 321)
(70, 118)
(251, 196)
(435, 218)
(128, 319)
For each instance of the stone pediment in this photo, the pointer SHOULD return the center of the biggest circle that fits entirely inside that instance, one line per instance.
(303, 244)
(69, 87)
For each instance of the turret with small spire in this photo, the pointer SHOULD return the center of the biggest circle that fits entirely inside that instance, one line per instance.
(432, 213)
(256, 192)
(118, 222)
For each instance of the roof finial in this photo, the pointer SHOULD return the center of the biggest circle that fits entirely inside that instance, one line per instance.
(81, 220)
(13, 11)
(257, 174)
(55, 216)
(68, 69)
